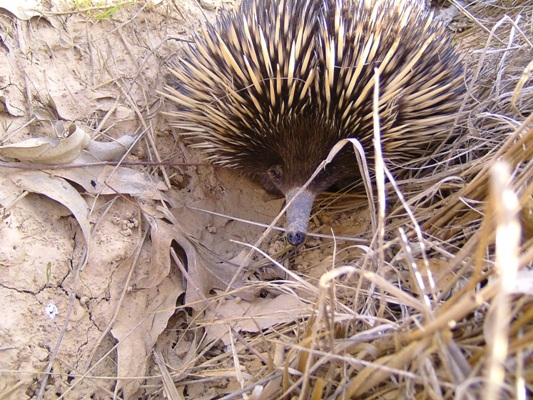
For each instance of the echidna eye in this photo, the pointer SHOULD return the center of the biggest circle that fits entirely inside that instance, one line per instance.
(275, 173)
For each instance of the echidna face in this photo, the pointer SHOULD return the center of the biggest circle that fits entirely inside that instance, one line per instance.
(300, 193)
(291, 151)
(287, 157)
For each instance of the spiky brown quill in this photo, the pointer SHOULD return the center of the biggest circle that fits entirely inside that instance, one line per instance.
(271, 87)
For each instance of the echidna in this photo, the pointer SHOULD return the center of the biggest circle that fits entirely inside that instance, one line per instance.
(271, 87)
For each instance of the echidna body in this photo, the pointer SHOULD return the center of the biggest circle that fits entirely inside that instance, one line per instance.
(272, 87)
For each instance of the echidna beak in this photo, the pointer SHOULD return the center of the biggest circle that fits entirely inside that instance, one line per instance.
(298, 214)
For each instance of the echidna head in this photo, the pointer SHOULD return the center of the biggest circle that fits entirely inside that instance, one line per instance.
(287, 156)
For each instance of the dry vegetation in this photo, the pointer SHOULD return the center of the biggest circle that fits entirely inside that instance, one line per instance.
(161, 284)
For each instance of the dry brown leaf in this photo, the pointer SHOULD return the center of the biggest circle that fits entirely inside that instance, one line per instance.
(143, 316)
(239, 203)
(6, 104)
(162, 235)
(252, 316)
(106, 180)
(208, 239)
(59, 190)
(30, 223)
(77, 147)
(201, 275)
(110, 151)
(49, 151)
(22, 9)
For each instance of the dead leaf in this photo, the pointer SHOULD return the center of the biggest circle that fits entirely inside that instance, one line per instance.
(22, 9)
(252, 316)
(110, 151)
(143, 317)
(162, 236)
(49, 151)
(5, 103)
(106, 180)
(202, 276)
(59, 190)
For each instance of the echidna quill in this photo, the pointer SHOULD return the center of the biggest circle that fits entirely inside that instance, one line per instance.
(273, 86)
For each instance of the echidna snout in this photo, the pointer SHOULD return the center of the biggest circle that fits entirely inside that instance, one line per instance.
(298, 212)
